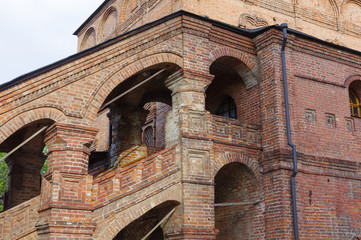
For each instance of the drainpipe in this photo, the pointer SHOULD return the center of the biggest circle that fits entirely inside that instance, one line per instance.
(289, 139)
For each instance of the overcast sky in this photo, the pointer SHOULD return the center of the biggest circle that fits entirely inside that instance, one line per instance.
(35, 33)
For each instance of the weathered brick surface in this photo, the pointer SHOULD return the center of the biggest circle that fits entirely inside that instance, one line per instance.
(334, 21)
(19, 222)
(205, 60)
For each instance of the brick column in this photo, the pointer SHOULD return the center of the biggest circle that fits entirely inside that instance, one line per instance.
(188, 89)
(65, 211)
(186, 125)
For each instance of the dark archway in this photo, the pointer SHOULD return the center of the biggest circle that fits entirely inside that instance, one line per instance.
(139, 228)
(231, 79)
(237, 209)
(25, 164)
(144, 101)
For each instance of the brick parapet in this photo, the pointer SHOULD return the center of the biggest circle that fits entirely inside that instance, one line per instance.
(118, 183)
(19, 222)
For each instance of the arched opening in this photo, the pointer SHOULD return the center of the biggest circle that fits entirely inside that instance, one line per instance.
(238, 214)
(25, 164)
(354, 97)
(227, 108)
(234, 92)
(148, 136)
(157, 218)
(136, 112)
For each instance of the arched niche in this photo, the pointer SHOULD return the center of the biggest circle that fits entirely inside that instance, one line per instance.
(325, 7)
(89, 39)
(109, 23)
(351, 12)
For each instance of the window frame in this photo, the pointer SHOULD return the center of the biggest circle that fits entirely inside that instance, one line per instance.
(151, 128)
(227, 106)
(354, 105)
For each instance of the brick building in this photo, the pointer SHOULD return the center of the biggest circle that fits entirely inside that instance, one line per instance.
(172, 122)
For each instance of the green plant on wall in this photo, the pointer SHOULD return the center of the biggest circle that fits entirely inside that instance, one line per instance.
(4, 179)
(44, 169)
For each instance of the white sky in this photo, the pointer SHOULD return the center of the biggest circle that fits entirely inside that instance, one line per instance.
(35, 33)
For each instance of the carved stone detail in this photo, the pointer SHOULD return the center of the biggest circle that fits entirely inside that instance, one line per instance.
(330, 120)
(349, 124)
(197, 121)
(249, 21)
(198, 163)
(221, 130)
(310, 115)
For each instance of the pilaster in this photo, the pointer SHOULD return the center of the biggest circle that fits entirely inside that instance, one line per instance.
(188, 96)
(187, 126)
(65, 197)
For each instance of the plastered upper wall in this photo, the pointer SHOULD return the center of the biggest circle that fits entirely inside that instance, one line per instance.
(336, 21)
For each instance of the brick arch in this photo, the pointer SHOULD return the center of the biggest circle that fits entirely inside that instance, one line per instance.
(357, 2)
(113, 79)
(335, 8)
(247, 68)
(344, 13)
(10, 126)
(231, 157)
(111, 10)
(350, 79)
(89, 39)
(109, 229)
(126, 4)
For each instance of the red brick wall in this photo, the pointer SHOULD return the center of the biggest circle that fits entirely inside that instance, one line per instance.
(162, 110)
(328, 154)
(234, 183)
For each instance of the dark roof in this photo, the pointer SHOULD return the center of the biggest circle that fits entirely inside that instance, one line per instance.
(248, 33)
(91, 17)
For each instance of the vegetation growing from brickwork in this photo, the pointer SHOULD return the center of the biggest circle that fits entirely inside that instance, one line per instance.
(4, 179)
(44, 169)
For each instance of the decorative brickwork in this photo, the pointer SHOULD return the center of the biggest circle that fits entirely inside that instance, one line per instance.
(226, 178)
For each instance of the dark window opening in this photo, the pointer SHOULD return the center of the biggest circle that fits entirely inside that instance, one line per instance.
(228, 109)
(148, 136)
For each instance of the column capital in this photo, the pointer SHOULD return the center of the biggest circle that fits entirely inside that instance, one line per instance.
(60, 136)
(194, 81)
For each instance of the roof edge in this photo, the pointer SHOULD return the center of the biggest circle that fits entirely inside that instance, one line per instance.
(91, 17)
(241, 31)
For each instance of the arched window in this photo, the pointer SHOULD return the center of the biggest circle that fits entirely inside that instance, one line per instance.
(354, 104)
(148, 136)
(227, 108)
